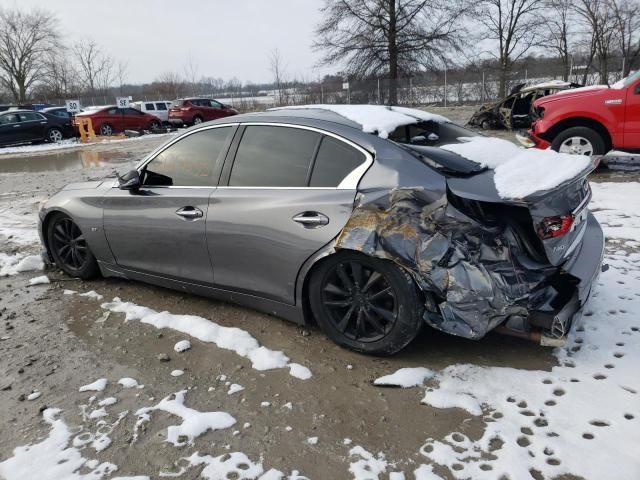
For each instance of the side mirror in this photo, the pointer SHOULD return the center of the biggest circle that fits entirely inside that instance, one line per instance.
(129, 181)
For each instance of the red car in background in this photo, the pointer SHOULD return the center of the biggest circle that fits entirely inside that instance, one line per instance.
(193, 111)
(111, 119)
(589, 120)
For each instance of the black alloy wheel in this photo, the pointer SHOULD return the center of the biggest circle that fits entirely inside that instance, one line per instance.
(364, 303)
(69, 248)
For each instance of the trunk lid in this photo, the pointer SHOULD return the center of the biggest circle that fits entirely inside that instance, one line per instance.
(553, 220)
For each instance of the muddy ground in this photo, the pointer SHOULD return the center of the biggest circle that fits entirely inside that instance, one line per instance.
(55, 343)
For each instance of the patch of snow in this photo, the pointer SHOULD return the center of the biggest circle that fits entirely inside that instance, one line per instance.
(34, 395)
(128, 382)
(177, 373)
(39, 280)
(300, 371)
(425, 472)
(97, 386)
(566, 421)
(235, 388)
(69, 292)
(98, 413)
(230, 338)
(265, 404)
(617, 208)
(53, 457)
(18, 227)
(18, 263)
(182, 346)
(519, 172)
(139, 477)
(405, 377)
(312, 440)
(375, 118)
(91, 294)
(236, 465)
(194, 423)
(108, 401)
(364, 465)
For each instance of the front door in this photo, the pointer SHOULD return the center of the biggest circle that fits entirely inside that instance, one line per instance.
(286, 197)
(632, 117)
(33, 125)
(161, 228)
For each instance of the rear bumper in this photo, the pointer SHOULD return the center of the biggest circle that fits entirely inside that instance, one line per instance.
(583, 266)
(177, 121)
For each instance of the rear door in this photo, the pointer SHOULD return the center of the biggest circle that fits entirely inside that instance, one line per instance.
(161, 111)
(632, 117)
(288, 192)
(160, 229)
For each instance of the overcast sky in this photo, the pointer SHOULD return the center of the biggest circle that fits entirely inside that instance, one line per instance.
(226, 38)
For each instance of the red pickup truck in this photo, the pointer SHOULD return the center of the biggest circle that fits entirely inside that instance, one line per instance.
(589, 120)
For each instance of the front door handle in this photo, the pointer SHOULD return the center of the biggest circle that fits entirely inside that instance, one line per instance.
(189, 213)
(311, 219)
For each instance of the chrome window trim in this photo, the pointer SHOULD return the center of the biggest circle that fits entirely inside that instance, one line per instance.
(349, 182)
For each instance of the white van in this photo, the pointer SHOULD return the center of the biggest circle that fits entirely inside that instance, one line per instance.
(159, 108)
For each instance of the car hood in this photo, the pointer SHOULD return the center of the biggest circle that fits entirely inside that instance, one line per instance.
(583, 92)
(89, 185)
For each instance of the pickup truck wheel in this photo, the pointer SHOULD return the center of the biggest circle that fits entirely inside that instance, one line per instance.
(579, 141)
(364, 303)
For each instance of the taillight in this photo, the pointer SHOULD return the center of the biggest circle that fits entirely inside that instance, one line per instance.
(553, 227)
(185, 109)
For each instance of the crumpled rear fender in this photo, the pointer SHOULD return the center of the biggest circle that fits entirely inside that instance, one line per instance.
(468, 271)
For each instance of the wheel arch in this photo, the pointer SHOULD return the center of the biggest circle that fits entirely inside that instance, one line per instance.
(595, 125)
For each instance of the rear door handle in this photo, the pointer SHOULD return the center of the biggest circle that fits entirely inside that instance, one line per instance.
(190, 213)
(311, 219)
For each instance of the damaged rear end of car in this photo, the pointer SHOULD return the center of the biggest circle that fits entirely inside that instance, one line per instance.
(524, 267)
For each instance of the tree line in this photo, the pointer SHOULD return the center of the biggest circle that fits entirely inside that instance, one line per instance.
(363, 40)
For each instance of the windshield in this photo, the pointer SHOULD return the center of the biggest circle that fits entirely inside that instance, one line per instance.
(625, 82)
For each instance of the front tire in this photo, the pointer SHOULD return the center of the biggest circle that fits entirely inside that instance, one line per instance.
(197, 120)
(154, 125)
(579, 141)
(366, 304)
(69, 248)
(55, 135)
(106, 129)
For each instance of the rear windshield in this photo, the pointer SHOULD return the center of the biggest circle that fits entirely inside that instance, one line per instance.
(444, 161)
(177, 103)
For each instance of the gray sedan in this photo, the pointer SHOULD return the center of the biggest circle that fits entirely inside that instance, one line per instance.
(303, 215)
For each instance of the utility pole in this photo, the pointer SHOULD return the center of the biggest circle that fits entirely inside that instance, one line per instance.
(482, 92)
(321, 93)
(379, 102)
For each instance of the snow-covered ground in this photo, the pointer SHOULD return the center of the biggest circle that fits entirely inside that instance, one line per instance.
(580, 418)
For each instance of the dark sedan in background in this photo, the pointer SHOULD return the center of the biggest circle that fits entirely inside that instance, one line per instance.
(26, 126)
(303, 215)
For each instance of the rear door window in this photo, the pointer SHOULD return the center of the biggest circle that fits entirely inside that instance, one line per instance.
(149, 106)
(191, 161)
(270, 156)
(161, 106)
(335, 160)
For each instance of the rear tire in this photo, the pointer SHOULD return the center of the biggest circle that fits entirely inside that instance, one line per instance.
(366, 304)
(485, 124)
(69, 248)
(579, 141)
(154, 125)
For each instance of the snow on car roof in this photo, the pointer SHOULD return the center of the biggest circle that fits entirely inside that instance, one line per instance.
(378, 119)
(518, 171)
(560, 84)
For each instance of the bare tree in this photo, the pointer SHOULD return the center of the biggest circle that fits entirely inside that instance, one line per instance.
(61, 79)
(559, 32)
(277, 68)
(191, 72)
(122, 70)
(169, 83)
(515, 26)
(598, 18)
(96, 68)
(627, 21)
(391, 37)
(25, 40)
